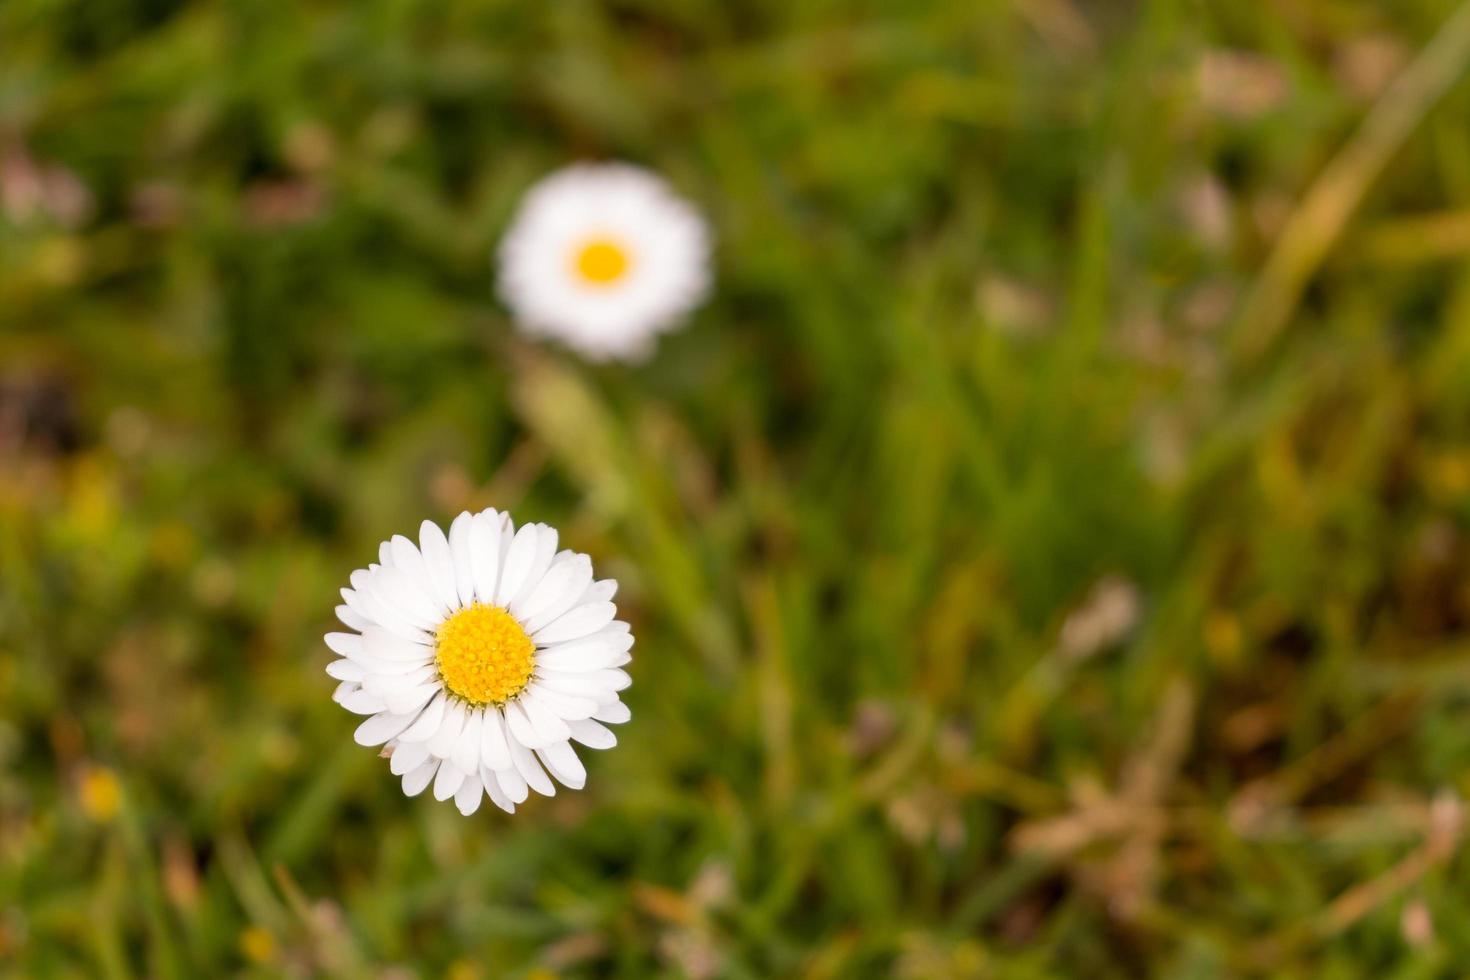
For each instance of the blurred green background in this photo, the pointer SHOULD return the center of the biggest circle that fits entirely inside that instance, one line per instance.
(1047, 550)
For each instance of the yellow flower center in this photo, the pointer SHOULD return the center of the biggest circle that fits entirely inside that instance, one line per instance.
(483, 654)
(602, 262)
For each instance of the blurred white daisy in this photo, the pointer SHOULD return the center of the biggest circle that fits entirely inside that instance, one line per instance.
(604, 257)
(480, 657)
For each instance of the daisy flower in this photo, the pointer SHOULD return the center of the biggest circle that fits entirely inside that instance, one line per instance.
(604, 257)
(479, 658)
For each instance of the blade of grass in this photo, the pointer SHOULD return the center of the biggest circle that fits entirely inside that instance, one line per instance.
(1324, 212)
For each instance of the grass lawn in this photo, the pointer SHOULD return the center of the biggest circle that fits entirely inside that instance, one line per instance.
(1048, 548)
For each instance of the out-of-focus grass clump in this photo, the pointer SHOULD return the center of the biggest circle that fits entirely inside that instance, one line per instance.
(1049, 550)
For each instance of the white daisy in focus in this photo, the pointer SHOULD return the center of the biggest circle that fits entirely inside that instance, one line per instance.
(604, 257)
(480, 657)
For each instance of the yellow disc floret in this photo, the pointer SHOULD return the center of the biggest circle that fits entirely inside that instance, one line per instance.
(602, 262)
(483, 654)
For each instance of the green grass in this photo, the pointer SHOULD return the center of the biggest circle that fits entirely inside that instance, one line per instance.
(1049, 549)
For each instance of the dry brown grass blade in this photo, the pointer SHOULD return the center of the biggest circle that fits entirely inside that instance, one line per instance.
(1134, 815)
(1255, 803)
(1319, 220)
(1446, 829)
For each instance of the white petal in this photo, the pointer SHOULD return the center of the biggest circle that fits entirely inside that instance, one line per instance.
(359, 597)
(354, 651)
(363, 600)
(415, 781)
(443, 742)
(390, 668)
(466, 752)
(602, 591)
(614, 713)
(562, 762)
(415, 675)
(380, 685)
(566, 706)
(518, 562)
(381, 727)
(531, 770)
(346, 670)
(589, 653)
(411, 699)
(350, 619)
(381, 644)
(592, 735)
(407, 559)
(493, 790)
(598, 684)
(407, 756)
(385, 554)
(360, 702)
(552, 586)
(448, 780)
(494, 752)
(408, 594)
(439, 563)
(352, 596)
(343, 644)
(469, 794)
(581, 621)
(512, 784)
(519, 727)
(554, 594)
(545, 555)
(549, 728)
(428, 724)
(386, 682)
(344, 689)
(459, 549)
(485, 555)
